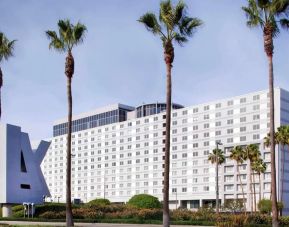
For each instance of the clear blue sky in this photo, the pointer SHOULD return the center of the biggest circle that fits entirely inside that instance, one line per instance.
(120, 61)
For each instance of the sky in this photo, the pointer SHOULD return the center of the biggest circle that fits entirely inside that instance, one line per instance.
(121, 62)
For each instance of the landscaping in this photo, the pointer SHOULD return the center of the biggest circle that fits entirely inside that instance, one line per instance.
(136, 212)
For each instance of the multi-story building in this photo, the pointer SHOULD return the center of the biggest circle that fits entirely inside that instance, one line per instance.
(118, 151)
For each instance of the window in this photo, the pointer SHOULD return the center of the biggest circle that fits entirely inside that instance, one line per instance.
(256, 117)
(206, 108)
(218, 123)
(218, 114)
(243, 138)
(256, 107)
(243, 110)
(230, 121)
(195, 110)
(256, 97)
(230, 131)
(242, 100)
(230, 102)
(230, 112)
(229, 187)
(207, 125)
(243, 129)
(206, 117)
(256, 127)
(256, 137)
(243, 119)
(206, 188)
(218, 105)
(195, 154)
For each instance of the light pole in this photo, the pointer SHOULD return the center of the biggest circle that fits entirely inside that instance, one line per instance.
(217, 177)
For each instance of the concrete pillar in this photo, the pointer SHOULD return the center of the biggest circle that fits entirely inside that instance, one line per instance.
(6, 210)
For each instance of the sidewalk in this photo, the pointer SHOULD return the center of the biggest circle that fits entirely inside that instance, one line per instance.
(55, 224)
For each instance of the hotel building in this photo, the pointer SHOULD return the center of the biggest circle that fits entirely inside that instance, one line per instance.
(118, 151)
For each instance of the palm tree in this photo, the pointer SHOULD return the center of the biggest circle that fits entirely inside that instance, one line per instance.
(217, 157)
(237, 154)
(251, 153)
(268, 15)
(173, 26)
(259, 167)
(282, 136)
(6, 51)
(68, 37)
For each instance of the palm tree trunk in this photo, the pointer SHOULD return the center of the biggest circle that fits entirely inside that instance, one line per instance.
(272, 146)
(242, 188)
(168, 57)
(269, 47)
(254, 190)
(260, 195)
(282, 172)
(1, 84)
(217, 187)
(251, 193)
(69, 69)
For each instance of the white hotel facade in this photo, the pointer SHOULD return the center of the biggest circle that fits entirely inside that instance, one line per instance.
(118, 151)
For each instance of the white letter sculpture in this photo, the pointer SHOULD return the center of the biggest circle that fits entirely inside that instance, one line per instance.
(21, 179)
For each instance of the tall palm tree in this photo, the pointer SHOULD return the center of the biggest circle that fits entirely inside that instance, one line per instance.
(251, 153)
(237, 154)
(217, 157)
(259, 166)
(6, 51)
(282, 136)
(269, 15)
(68, 37)
(173, 26)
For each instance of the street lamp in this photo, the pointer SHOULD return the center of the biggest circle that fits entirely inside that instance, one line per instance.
(217, 176)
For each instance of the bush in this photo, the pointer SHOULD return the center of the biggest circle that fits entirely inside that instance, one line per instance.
(144, 201)
(265, 206)
(54, 207)
(99, 202)
(150, 214)
(53, 215)
(182, 215)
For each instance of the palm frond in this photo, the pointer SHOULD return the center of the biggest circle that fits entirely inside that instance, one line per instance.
(166, 14)
(284, 23)
(6, 47)
(78, 33)
(280, 7)
(253, 16)
(180, 39)
(188, 25)
(179, 11)
(263, 4)
(55, 42)
(150, 21)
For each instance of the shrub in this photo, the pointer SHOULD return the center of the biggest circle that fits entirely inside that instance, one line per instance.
(99, 202)
(150, 214)
(54, 207)
(182, 215)
(144, 201)
(265, 206)
(53, 215)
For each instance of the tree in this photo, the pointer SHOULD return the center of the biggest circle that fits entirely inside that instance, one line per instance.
(251, 153)
(259, 167)
(281, 138)
(237, 154)
(6, 51)
(217, 157)
(173, 26)
(269, 15)
(68, 37)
